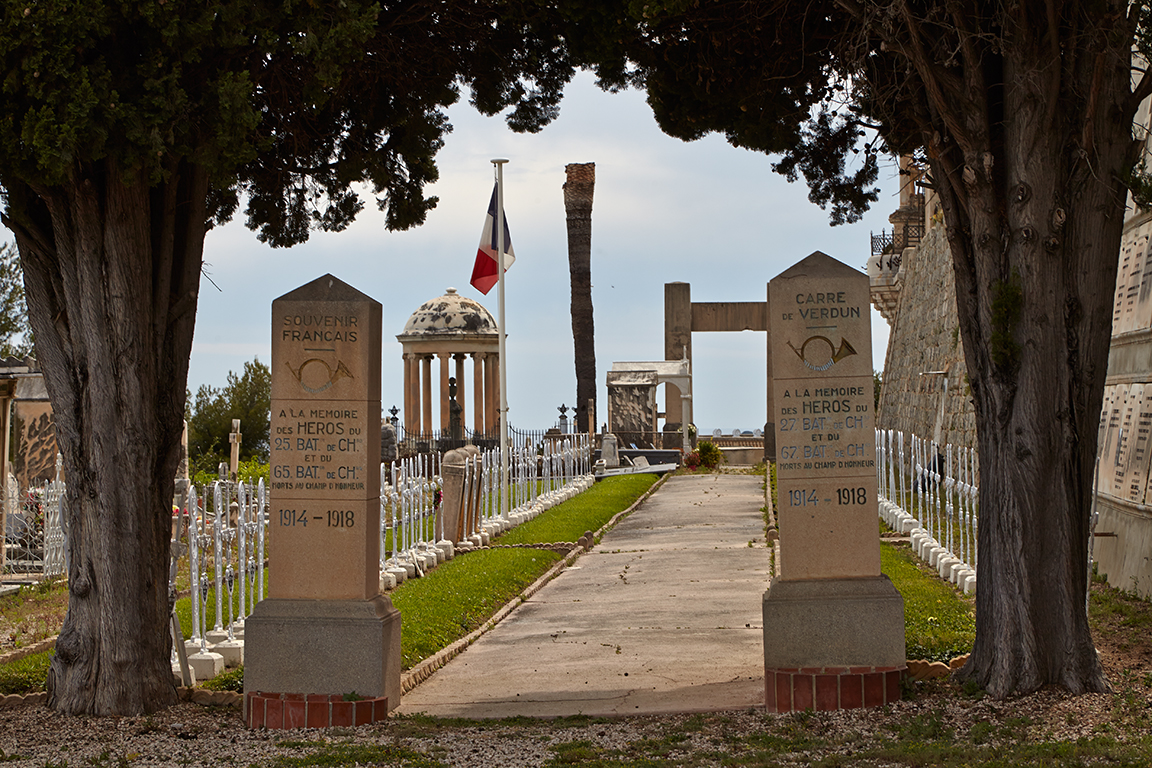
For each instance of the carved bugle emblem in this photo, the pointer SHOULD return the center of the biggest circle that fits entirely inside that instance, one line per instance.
(822, 359)
(321, 380)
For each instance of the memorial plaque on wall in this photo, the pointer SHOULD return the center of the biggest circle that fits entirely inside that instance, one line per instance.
(324, 540)
(823, 404)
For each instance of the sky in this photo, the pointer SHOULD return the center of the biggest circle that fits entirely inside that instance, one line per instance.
(664, 210)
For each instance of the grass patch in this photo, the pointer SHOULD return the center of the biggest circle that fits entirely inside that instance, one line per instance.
(1120, 609)
(326, 754)
(34, 612)
(939, 624)
(586, 512)
(950, 752)
(460, 595)
(772, 485)
(26, 675)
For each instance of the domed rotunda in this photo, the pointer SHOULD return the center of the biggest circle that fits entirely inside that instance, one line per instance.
(450, 327)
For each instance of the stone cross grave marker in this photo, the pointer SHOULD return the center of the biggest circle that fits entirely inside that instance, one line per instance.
(234, 438)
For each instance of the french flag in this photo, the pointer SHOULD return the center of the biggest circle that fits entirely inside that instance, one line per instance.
(484, 273)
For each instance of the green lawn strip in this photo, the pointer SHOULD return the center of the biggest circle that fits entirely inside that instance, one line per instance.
(586, 512)
(939, 624)
(26, 675)
(460, 595)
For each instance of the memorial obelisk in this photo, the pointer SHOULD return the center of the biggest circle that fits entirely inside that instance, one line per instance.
(833, 623)
(324, 632)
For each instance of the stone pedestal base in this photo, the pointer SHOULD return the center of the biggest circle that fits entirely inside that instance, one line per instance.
(832, 644)
(323, 647)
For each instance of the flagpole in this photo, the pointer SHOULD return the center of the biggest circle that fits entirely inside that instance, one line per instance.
(506, 495)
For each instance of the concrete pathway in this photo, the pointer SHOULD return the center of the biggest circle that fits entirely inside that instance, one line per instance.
(664, 615)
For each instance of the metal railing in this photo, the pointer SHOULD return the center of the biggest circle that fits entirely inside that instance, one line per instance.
(905, 235)
(437, 441)
(34, 534)
(224, 533)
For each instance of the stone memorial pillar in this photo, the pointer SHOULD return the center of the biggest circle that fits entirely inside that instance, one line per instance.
(833, 624)
(324, 632)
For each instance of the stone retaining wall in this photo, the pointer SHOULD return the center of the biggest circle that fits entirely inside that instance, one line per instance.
(925, 341)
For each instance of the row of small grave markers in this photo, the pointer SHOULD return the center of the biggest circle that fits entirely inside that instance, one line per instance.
(930, 491)
(227, 528)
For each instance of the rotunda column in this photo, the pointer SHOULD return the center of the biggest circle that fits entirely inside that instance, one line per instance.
(426, 387)
(478, 392)
(491, 391)
(411, 393)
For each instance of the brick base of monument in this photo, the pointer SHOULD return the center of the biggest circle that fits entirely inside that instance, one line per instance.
(826, 688)
(278, 711)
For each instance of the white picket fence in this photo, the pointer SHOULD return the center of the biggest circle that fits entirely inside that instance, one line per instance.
(931, 492)
(227, 524)
(223, 527)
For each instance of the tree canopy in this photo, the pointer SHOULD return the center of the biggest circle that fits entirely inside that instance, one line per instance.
(247, 397)
(286, 105)
(15, 335)
(772, 77)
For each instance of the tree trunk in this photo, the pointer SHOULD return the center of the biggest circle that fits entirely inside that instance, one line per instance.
(1027, 153)
(111, 267)
(578, 206)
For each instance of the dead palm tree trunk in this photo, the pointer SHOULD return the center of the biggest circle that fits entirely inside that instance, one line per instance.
(578, 205)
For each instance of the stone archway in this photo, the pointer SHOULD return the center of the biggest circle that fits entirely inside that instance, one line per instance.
(683, 317)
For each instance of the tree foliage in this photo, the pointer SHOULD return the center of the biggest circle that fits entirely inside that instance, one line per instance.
(287, 105)
(768, 76)
(247, 397)
(15, 335)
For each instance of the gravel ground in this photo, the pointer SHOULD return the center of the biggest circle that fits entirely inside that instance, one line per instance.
(194, 735)
(1112, 728)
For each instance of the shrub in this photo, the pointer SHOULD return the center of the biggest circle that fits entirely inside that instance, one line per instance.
(228, 680)
(710, 455)
(692, 460)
